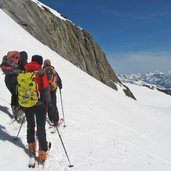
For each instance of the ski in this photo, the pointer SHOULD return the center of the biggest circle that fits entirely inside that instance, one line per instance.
(34, 159)
(61, 120)
(51, 125)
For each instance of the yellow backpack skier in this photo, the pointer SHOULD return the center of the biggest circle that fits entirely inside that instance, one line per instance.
(27, 89)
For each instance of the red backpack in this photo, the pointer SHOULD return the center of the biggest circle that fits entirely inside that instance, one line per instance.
(9, 63)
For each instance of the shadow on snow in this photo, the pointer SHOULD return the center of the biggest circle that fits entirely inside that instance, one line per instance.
(6, 110)
(5, 136)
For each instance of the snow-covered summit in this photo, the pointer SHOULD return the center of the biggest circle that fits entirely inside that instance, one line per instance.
(161, 79)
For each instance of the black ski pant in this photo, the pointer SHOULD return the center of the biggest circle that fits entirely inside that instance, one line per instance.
(53, 113)
(11, 84)
(36, 116)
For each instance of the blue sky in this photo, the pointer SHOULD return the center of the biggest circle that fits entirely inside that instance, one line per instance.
(135, 35)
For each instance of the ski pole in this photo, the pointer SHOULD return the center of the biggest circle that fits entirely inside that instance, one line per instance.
(62, 106)
(70, 165)
(16, 138)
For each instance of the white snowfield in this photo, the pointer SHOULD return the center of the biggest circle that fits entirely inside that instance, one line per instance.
(106, 131)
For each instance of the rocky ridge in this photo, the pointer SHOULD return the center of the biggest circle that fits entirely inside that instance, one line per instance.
(64, 37)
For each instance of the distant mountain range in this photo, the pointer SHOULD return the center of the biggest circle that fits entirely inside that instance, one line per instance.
(160, 80)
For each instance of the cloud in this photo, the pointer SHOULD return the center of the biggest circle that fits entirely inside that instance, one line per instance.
(140, 62)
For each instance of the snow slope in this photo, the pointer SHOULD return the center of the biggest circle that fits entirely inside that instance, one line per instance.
(106, 131)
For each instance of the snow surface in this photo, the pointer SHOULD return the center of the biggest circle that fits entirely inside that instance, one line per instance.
(106, 131)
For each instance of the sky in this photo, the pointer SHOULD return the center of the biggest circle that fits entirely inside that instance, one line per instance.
(105, 130)
(135, 35)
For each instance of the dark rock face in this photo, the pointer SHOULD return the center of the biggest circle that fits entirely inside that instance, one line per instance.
(68, 40)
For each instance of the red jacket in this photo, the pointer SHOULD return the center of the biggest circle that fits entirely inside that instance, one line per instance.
(41, 80)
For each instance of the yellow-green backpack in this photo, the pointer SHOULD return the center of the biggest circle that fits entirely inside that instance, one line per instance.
(27, 89)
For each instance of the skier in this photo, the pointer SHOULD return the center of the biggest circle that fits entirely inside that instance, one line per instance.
(11, 79)
(37, 111)
(54, 82)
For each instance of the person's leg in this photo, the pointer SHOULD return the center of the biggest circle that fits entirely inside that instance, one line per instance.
(41, 131)
(29, 113)
(11, 84)
(55, 109)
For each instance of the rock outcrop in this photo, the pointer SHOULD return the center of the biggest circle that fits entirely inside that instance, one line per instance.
(64, 37)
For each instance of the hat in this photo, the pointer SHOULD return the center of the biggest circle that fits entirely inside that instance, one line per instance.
(38, 59)
(23, 59)
(24, 55)
(47, 62)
